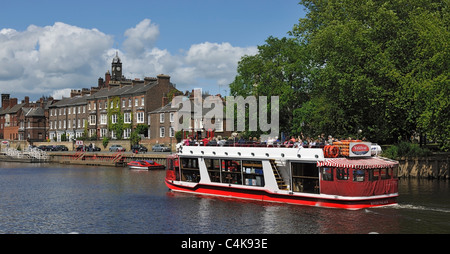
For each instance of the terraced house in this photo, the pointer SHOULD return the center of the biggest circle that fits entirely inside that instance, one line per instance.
(113, 109)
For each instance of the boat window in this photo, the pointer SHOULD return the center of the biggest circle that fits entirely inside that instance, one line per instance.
(189, 170)
(374, 174)
(327, 174)
(305, 177)
(342, 173)
(212, 166)
(253, 173)
(231, 171)
(385, 174)
(358, 175)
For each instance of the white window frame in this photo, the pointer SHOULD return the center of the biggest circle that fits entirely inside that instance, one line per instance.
(139, 117)
(127, 117)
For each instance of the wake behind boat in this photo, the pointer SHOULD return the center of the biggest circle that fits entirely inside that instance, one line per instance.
(144, 165)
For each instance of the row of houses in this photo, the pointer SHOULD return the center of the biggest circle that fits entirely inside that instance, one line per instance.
(113, 109)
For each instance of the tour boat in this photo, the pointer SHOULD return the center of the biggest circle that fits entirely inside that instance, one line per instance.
(343, 175)
(144, 165)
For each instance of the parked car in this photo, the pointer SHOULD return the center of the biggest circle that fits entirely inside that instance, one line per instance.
(116, 148)
(47, 148)
(138, 148)
(61, 148)
(42, 147)
(160, 148)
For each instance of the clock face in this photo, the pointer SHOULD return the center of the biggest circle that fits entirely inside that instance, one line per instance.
(118, 68)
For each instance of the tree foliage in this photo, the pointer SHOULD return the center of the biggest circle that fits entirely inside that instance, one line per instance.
(381, 67)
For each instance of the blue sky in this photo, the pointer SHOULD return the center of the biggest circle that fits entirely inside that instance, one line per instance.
(49, 47)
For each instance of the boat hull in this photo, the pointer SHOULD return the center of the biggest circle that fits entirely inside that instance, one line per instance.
(262, 194)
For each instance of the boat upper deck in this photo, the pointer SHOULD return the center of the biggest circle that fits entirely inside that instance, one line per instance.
(310, 154)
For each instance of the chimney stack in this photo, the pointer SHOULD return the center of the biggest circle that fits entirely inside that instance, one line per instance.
(163, 79)
(5, 100)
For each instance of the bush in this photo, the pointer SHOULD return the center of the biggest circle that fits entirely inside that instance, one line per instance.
(105, 142)
(406, 149)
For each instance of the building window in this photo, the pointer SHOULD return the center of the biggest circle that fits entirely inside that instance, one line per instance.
(126, 133)
(129, 102)
(114, 118)
(92, 119)
(140, 117)
(84, 109)
(79, 123)
(171, 117)
(218, 125)
(127, 118)
(103, 118)
(171, 132)
(123, 103)
(103, 132)
(142, 101)
(161, 118)
(161, 132)
(136, 102)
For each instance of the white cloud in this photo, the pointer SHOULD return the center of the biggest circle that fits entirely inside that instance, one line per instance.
(40, 60)
(140, 38)
(51, 60)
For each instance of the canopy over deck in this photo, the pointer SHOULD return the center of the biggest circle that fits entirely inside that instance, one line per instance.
(360, 163)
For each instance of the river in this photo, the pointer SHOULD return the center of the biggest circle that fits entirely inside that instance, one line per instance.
(59, 199)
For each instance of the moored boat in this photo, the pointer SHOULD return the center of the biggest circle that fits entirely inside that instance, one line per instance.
(305, 176)
(144, 165)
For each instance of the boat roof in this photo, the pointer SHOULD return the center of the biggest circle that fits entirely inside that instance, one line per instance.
(315, 155)
(248, 153)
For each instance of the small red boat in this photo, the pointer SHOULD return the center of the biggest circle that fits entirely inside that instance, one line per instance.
(145, 165)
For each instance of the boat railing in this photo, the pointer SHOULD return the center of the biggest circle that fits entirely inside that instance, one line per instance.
(254, 144)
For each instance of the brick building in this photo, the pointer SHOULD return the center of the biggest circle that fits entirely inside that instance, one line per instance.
(162, 122)
(113, 109)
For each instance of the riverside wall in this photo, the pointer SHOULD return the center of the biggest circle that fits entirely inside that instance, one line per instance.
(432, 167)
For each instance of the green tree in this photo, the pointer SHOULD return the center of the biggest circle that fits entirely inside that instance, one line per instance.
(380, 66)
(279, 69)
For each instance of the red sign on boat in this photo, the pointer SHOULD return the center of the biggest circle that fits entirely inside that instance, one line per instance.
(359, 149)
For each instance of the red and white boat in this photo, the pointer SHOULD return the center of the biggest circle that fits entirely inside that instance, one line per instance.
(304, 176)
(144, 165)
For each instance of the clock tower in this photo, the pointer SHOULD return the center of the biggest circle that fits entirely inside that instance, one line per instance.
(116, 68)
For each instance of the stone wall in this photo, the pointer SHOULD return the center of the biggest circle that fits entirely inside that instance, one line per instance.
(435, 167)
